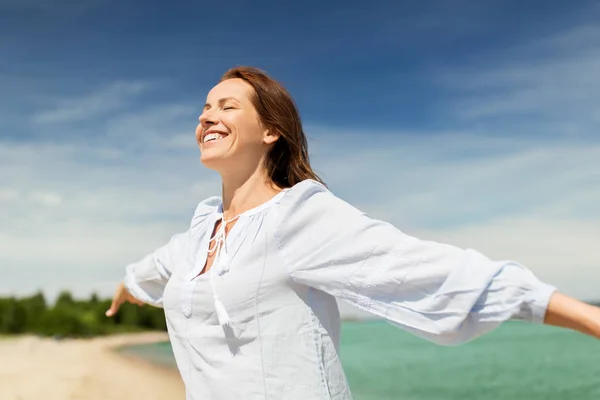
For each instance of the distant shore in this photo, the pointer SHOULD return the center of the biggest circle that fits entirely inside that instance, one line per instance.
(85, 369)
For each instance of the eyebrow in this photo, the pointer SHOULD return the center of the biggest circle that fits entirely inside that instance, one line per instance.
(221, 101)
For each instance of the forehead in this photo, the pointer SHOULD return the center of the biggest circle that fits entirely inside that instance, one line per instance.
(236, 88)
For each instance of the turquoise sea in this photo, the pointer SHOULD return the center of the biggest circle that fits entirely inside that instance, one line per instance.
(516, 361)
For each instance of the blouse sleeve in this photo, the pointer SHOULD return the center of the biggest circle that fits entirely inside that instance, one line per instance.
(439, 292)
(147, 278)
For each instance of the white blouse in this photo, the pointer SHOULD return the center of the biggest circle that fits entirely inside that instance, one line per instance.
(283, 264)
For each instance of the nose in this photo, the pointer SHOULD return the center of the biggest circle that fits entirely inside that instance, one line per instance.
(207, 119)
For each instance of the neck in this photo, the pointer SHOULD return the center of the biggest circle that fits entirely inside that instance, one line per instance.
(242, 192)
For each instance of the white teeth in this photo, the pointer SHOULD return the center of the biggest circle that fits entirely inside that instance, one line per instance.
(212, 136)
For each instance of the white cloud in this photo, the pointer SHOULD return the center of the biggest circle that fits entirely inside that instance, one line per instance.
(428, 180)
(9, 194)
(168, 127)
(110, 98)
(553, 79)
(48, 199)
(561, 252)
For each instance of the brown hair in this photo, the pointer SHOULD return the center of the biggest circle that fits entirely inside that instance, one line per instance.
(287, 162)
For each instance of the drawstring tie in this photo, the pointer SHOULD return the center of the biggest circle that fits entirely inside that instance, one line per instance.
(221, 262)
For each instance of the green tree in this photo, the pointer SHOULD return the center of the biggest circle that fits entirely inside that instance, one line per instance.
(71, 317)
(65, 299)
(35, 307)
(14, 317)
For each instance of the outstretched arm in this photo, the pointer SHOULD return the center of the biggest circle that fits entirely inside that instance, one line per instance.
(567, 312)
(436, 291)
(146, 279)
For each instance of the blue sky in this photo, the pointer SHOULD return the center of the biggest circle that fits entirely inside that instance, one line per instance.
(472, 123)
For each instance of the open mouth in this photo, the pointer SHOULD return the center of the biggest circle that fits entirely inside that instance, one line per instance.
(211, 137)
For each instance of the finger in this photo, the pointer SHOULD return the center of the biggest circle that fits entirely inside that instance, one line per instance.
(116, 303)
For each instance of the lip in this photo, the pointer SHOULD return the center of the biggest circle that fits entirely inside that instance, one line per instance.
(208, 132)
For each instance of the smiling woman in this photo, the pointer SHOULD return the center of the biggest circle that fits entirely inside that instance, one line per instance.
(249, 102)
(249, 290)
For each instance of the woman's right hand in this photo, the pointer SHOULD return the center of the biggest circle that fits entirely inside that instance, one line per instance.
(121, 296)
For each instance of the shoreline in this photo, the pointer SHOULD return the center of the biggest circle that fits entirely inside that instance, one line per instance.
(84, 369)
(137, 359)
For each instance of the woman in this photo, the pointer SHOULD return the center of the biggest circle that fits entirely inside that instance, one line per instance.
(249, 290)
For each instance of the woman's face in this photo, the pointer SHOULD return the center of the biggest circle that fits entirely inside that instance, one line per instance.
(230, 134)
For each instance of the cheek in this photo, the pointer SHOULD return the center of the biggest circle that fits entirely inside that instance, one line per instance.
(198, 132)
(239, 127)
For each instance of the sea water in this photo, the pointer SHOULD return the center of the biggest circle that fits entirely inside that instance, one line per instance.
(516, 361)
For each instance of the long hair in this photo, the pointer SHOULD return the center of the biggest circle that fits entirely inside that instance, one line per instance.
(287, 162)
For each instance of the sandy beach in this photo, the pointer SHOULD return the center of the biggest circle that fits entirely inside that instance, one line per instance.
(34, 368)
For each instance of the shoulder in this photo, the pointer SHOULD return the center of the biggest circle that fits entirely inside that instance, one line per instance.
(208, 206)
(306, 192)
(203, 210)
(310, 219)
(310, 199)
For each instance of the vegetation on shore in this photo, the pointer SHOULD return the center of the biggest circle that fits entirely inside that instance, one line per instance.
(69, 317)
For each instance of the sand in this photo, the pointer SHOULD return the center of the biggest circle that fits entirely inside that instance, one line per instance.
(34, 368)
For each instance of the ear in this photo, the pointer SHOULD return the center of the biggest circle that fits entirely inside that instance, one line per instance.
(270, 136)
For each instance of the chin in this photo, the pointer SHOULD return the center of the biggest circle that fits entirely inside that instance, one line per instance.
(212, 161)
(208, 162)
